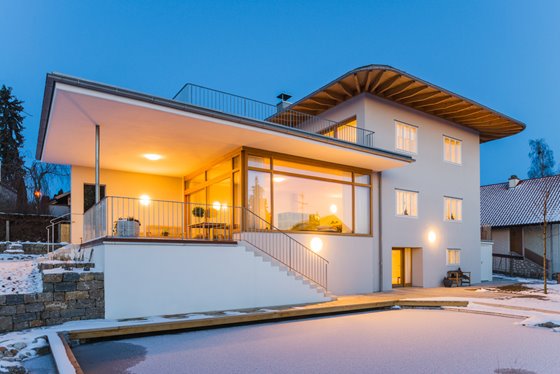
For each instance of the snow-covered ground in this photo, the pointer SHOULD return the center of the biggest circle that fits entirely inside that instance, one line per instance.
(396, 341)
(27, 343)
(19, 274)
(527, 300)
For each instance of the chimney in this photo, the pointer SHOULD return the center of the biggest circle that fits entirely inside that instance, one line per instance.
(283, 104)
(513, 181)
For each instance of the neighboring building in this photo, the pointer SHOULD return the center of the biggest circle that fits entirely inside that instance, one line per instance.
(60, 204)
(513, 212)
(8, 198)
(374, 179)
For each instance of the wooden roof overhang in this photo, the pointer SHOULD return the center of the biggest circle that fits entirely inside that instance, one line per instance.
(395, 85)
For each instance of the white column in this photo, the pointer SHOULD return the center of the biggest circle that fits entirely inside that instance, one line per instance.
(97, 187)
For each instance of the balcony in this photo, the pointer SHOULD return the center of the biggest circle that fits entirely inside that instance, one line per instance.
(131, 219)
(257, 110)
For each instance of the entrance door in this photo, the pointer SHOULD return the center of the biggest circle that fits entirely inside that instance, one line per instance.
(401, 267)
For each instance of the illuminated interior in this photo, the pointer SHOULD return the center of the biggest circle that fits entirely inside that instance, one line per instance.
(291, 193)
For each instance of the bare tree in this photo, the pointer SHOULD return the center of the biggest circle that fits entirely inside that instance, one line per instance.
(40, 176)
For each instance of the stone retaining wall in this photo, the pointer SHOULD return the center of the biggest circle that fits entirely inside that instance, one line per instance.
(67, 296)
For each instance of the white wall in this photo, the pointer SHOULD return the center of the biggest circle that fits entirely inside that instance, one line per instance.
(158, 279)
(119, 183)
(533, 240)
(500, 238)
(353, 262)
(486, 261)
(433, 178)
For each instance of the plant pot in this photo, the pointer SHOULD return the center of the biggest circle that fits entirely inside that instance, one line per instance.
(447, 282)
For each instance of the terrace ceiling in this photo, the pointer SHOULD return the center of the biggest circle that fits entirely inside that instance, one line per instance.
(392, 84)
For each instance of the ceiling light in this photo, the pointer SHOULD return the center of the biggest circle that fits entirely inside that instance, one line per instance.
(278, 179)
(153, 156)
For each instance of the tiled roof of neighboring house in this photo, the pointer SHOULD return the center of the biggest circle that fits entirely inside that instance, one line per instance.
(520, 205)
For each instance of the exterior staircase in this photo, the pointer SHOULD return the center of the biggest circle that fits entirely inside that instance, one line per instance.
(289, 273)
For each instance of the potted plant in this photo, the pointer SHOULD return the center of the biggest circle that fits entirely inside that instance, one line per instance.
(198, 212)
(127, 227)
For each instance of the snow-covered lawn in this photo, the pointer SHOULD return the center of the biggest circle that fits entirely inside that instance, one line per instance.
(19, 274)
(396, 341)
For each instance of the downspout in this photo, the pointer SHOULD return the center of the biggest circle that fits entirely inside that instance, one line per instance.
(380, 231)
(97, 188)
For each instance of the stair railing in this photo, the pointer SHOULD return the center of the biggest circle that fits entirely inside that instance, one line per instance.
(282, 247)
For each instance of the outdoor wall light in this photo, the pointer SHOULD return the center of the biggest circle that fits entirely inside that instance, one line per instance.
(145, 200)
(316, 244)
(431, 237)
(153, 156)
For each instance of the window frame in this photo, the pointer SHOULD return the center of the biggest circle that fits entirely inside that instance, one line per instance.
(459, 199)
(416, 128)
(460, 163)
(303, 161)
(397, 190)
(457, 256)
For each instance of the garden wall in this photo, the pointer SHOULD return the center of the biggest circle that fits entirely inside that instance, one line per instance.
(24, 227)
(67, 296)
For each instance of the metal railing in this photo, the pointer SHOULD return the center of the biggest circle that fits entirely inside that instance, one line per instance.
(515, 265)
(53, 224)
(124, 217)
(248, 108)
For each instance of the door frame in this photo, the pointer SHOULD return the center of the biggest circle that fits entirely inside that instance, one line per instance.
(403, 282)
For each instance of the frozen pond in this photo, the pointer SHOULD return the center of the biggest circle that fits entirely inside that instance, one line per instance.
(397, 341)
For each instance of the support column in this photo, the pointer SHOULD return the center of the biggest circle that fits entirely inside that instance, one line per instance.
(97, 187)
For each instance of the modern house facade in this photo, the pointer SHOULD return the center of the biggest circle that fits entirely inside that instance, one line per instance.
(512, 216)
(368, 183)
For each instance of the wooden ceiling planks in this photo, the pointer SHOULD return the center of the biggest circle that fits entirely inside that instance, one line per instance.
(392, 84)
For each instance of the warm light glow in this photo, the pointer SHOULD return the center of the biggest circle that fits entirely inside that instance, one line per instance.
(278, 179)
(431, 237)
(153, 156)
(216, 205)
(333, 208)
(316, 244)
(145, 200)
(37, 194)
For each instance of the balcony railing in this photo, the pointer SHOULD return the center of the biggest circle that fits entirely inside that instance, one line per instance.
(244, 107)
(131, 218)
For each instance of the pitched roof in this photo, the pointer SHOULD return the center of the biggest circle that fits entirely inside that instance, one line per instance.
(396, 85)
(501, 206)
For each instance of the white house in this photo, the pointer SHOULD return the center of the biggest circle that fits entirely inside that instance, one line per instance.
(210, 200)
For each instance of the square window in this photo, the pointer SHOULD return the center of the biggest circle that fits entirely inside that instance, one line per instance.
(453, 209)
(452, 149)
(406, 137)
(453, 257)
(407, 203)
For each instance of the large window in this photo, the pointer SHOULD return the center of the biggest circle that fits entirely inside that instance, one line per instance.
(89, 195)
(345, 130)
(452, 150)
(453, 209)
(211, 193)
(407, 203)
(406, 137)
(296, 196)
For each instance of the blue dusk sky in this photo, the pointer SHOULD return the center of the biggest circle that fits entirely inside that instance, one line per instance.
(503, 54)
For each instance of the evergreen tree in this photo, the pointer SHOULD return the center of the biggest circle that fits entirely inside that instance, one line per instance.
(11, 139)
(542, 159)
